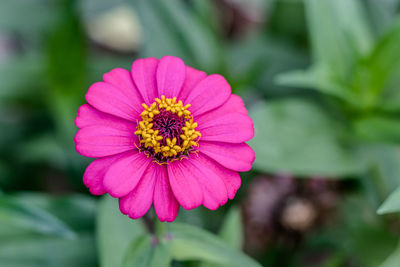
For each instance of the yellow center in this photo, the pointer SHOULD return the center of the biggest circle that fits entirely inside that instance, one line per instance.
(173, 138)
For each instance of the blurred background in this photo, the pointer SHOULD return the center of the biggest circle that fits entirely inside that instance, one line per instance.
(320, 78)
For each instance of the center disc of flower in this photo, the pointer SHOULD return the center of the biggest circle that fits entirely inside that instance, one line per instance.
(167, 131)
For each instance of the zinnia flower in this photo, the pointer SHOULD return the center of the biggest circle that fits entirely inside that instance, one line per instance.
(164, 133)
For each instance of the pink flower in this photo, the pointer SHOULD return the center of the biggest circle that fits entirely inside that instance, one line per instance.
(166, 134)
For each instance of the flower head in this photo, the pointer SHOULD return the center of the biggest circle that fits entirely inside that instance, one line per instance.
(164, 134)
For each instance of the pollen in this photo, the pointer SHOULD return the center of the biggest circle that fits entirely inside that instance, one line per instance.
(167, 131)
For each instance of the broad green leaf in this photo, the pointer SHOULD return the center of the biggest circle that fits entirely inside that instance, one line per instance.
(77, 211)
(232, 229)
(297, 136)
(391, 204)
(115, 232)
(393, 260)
(231, 232)
(376, 129)
(192, 243)
(14, 213)
(318, 78)
(46, 251)
(147, 252)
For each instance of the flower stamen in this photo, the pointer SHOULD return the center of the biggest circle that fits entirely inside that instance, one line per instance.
(167, 131)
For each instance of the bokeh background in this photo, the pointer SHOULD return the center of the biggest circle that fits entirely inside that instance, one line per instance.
(320, 78)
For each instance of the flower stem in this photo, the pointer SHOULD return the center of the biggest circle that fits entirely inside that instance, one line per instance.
(160, 229)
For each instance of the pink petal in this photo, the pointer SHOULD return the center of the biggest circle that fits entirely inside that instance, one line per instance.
(232, 181)
(235, 104)
(89, 116)
(138, 202)
(186, 189)
(122, 79)
(208, 94)
(237, 157)
(229, 128)
(113, 100)
(230, 178)
(165, 203)
(94, 174)
(99, 141)
(144, 75)
(171, 74)
(123, 176)
(210, 177)
(193, 76)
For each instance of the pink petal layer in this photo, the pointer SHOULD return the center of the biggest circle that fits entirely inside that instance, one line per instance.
(228, 123)
(165, 203)
(112, 100)
(230, 128)
(193, 76)
(144, 75)
(235, 104)
(100, 141)
(94, 174)
(123, 176)
(230, 178)
(186, 189)
(171, 74)
(122, 79)
(210, 177)
(237, 157)
(210, 93)
(89, 116)
(138, 202)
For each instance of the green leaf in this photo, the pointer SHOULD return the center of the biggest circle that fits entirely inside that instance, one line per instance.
(144, 252)
(115, 232)
(297, 136)
(14, 213)
(192, 243)
(231, 232)
(232, 229)
(391, 204)
(384, 67)
(46, 251)
(393, 260)
(317, 78)
(378, 129)
(77, 211)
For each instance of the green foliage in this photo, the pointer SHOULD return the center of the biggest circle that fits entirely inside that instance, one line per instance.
(347, 126)
(115, 233)
(144, 251)
(192, 243)
(14, 213)
(231, 233)
(39, 230)
(182, 33)
(393, 260)
(297, 136)
(391, 204)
